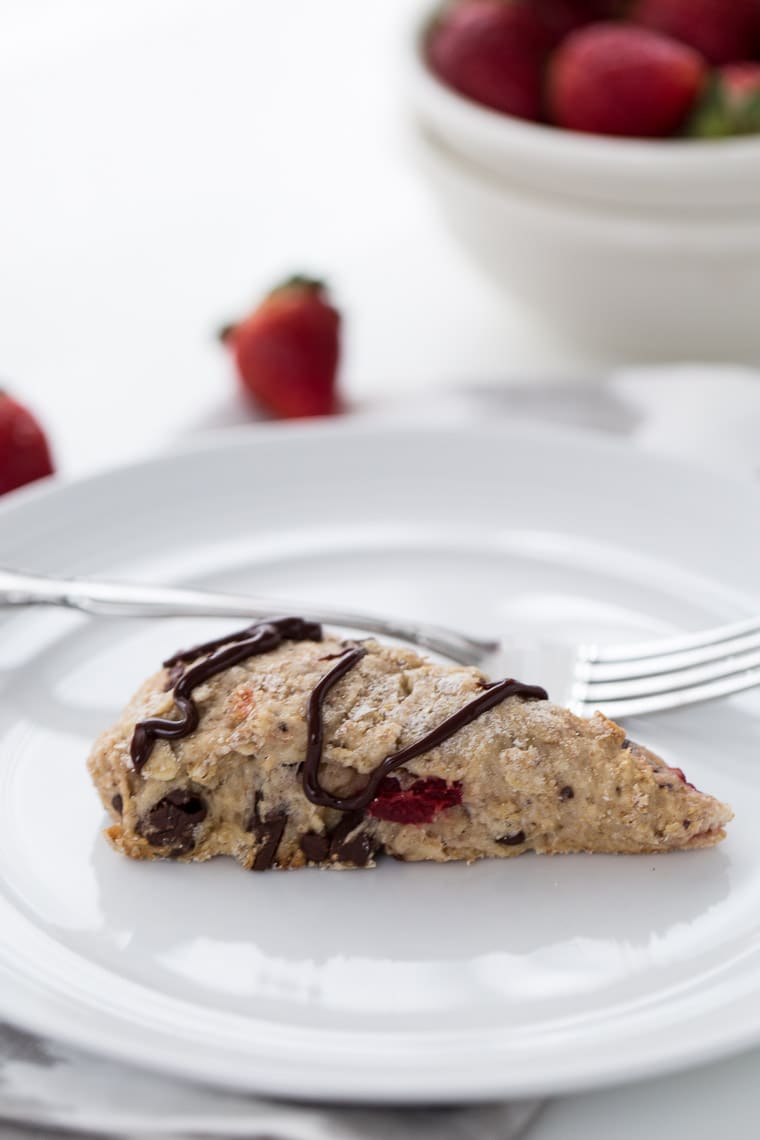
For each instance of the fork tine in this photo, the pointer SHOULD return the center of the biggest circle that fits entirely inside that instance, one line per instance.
(696, 694)
(657, 683)
(662, 645)
(595, 671)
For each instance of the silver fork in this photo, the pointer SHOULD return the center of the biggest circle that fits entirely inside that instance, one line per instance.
(619, 680)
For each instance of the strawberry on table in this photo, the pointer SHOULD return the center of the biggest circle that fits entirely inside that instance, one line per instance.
(722, 30)
(287, 350)
(24, 451)
(494, 52)
(621, 79)
(731, 105)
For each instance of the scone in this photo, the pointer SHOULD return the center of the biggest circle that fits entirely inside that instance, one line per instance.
(282, 746)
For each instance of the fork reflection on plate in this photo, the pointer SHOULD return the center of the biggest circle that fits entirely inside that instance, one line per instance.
(619, 680)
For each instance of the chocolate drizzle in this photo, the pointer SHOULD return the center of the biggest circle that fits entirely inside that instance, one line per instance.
(346, 843)
(493, 694)
(224, 652)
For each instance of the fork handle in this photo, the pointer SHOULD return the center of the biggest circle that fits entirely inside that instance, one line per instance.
(111, 599)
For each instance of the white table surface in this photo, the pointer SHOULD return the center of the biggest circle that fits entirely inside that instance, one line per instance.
(163, 162)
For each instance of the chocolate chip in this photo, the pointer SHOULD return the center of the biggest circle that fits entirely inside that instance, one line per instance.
(628, 743)
(512, 840)
(117, 803)
(315, 847)
(282, 727)
(686, 824)
(172, 821)
(566, 793)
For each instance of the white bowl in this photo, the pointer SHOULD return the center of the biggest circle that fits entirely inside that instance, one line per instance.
(691, 174)
(645, 284)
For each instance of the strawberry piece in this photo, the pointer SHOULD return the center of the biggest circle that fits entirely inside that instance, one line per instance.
(679, 773)
(24, 451)
(419, 803)
(287, 350)
(722, 30)
(731, 105)
(493, 52)
(620, 79)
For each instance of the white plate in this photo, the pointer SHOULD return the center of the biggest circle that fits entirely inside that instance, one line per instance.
(416, 983)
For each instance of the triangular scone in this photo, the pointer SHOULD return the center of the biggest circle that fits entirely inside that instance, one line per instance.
(282, 747)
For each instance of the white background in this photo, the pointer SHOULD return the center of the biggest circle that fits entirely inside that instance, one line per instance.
(164, 162)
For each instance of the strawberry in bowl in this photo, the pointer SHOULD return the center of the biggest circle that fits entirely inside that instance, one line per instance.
(635, 68)
(619, 79)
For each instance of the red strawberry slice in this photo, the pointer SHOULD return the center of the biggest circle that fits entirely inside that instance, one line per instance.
(620, 79)
(419, 803)
(24, 451)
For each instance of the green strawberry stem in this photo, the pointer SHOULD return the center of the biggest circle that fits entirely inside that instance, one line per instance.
(300, 281)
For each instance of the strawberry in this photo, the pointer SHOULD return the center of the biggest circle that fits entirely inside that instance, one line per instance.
(620, 79)
(420, 803)
(722, 30)
(287, 350)
(731, 105)
(563, 16)
(493, 52)
(24, 451)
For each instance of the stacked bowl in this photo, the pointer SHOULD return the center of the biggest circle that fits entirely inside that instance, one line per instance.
(649, 249)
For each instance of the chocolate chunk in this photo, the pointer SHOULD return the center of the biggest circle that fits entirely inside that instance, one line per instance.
(315, 847)
(512, 840)
(267, 830)
(358, 850)
(347, 848)
(172, 821)
(566, 793)
(117, 803)
(268, 833)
